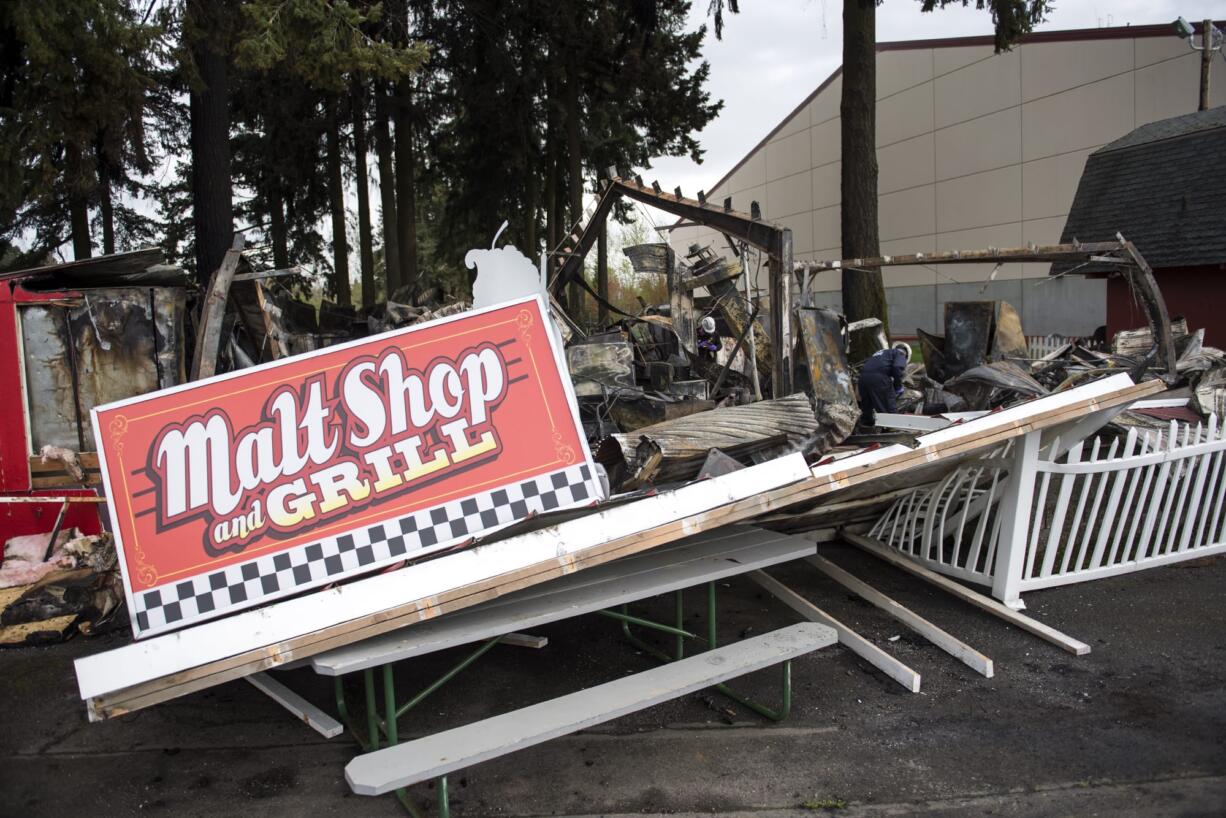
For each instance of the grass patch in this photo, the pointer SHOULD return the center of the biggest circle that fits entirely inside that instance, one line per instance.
(824, 803)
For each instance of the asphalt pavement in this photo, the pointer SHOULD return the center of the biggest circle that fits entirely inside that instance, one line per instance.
(1136, 728)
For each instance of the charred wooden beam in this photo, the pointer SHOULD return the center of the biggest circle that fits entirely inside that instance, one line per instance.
(763, 235)
(213, 310)
(572, 262)
(1044, 253)
(1141, 279)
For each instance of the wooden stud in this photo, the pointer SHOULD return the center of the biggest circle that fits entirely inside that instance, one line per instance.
(936, 635)
(854, 642)
(980, 601)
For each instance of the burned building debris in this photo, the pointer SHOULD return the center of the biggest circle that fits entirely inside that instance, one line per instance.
(712, 380)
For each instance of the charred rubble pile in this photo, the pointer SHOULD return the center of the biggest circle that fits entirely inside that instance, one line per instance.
(667, 394)
(982, 362)
(678, 391)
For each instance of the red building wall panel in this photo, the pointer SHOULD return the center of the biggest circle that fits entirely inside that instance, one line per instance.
(1196, 293)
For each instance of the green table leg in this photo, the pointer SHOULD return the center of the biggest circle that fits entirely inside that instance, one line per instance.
(372, 710)
(681, 634)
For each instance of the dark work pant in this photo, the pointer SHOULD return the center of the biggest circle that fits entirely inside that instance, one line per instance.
(876, 395)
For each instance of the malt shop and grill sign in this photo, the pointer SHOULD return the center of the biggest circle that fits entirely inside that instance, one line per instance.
(244, 488)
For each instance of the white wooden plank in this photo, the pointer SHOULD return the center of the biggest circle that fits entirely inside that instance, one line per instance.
(524, 640)
(426, 758)
(854, 642)
(933, 633)
(1036, 525)
(1110, 521)
(210, 641)
(1070, 539)
(1216, 518)
(1054, 534)
(1215, 474)
(1134, 549)
(919, 423)
(586, 592)
(1192, 513)
(316, 719)
(971, 499)
(1084, 550)
(972, 559)
(1147, 546)
(980, 601)
(1186, 467)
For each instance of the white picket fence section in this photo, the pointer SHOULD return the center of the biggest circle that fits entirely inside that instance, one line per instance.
(1018, 521)
(1040, 345)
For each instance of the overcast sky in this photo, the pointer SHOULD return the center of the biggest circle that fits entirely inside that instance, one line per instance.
(776, 52)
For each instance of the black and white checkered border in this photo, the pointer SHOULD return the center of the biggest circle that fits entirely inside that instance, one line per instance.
(260, 580)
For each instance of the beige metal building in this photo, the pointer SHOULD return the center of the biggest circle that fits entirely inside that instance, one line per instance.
(975, 150)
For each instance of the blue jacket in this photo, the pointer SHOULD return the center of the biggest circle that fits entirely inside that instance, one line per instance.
(885, 364)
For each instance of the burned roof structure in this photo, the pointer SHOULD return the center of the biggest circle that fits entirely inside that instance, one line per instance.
(1164, 186)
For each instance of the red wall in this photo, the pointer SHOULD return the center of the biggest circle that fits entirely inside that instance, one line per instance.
(25, 518)
(1196, 293)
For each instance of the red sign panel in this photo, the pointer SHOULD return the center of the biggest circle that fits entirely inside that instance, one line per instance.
(240, 489)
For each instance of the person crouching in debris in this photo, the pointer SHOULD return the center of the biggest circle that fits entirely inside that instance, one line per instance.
(708, 339)
(881, 381)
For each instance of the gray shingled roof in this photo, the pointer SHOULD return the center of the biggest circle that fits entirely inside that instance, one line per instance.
(1163, 186)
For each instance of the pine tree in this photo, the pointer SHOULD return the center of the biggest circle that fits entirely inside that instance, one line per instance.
(74, 96)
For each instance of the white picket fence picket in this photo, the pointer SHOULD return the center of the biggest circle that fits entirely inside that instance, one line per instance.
(1154, 500)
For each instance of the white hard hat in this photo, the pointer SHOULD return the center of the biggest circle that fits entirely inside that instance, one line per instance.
(905, 347)
(708, 325)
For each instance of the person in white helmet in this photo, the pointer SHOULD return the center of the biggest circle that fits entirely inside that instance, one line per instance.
(708, 338)
(881, 381)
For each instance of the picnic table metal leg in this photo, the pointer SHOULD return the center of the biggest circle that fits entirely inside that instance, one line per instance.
(444, 803)
(760, 709)
(446, 677)
(391, 716)
(680, 646)
(711, 640)
(372, 712)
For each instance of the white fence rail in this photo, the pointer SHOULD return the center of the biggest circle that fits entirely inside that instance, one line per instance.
(1148, 501)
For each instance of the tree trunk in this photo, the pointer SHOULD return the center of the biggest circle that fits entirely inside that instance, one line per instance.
(574, 159)
(280, 234)
(78, 212)
(78, 203)
(336, 195)
(212, 205)
(387, 194)
(406, 184)
(863, 290)
(365, 242)
(106, 207)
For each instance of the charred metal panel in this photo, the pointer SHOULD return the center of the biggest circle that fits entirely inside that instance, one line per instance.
(760, 430)
(94, 348)
(650, 258)
(607, 362)
(823, 372)
(968, 335)
(50, 397)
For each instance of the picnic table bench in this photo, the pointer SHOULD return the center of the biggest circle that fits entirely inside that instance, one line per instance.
(704, 559)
